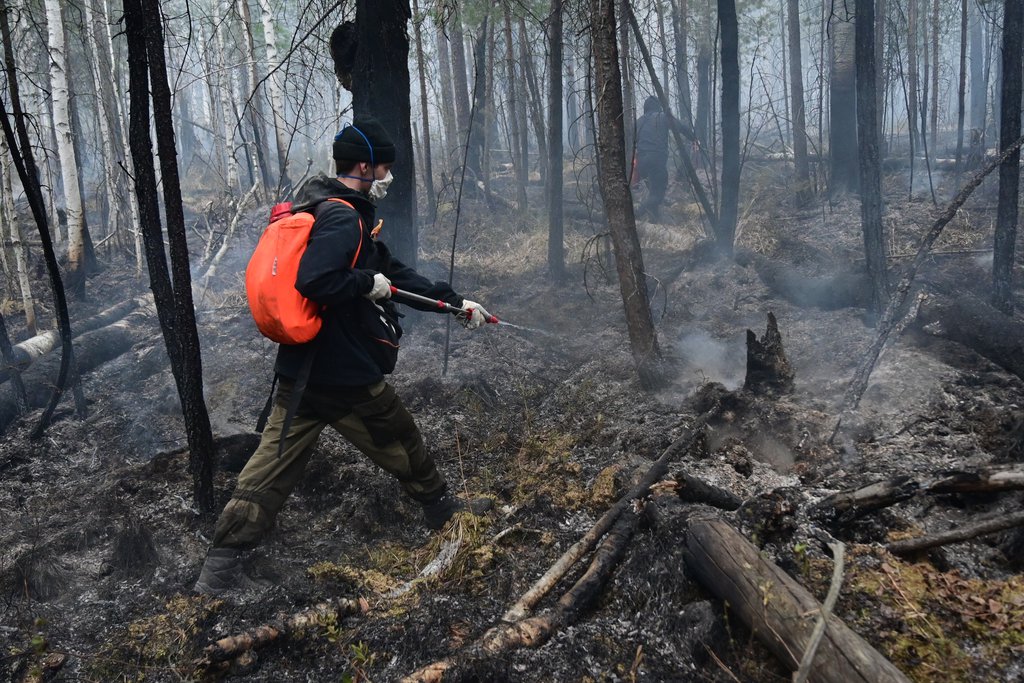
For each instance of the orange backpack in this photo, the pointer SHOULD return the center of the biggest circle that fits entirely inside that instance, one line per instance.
(280, 311)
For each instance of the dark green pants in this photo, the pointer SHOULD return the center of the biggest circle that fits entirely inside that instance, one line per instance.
(372, 418)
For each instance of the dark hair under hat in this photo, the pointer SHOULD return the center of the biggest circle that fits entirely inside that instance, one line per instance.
(364, 140)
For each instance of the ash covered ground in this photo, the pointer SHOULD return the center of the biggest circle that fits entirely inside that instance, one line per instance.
(100, 541)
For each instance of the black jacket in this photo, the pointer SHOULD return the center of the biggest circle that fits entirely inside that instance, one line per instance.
(354, 346)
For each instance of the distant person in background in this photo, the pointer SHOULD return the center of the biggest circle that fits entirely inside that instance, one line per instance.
(652, 156)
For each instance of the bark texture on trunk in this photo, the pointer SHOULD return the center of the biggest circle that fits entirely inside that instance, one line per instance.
(61, 97)
(1009, 171)
(618, 204)
(172, 288)
(796, 83)
(780, 611)
(868, 157)
(556, 237)
(380, 88)
(843, 100)
(728, 211)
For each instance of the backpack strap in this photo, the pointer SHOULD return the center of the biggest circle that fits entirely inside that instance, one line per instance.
(359, 217)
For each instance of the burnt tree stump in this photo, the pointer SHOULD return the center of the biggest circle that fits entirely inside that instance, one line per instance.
(768, 369)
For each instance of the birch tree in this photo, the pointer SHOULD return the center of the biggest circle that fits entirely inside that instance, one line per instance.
(222, 77)
(274, 80)
(65, 146)
(18, 248)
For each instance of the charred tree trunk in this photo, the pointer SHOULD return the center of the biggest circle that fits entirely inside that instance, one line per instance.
(913, 95)
(428, 165)
(536, 102)
(957, 535)
(780, 611)
(979, 88)
(172, 291)
(843, 100)
(7, 353)
(380, 88)
(1009, 171)
(459, 80)
(870, 166)
(477, 112)
(768, 369)
(796, 82)
(679, 30)
(614, 186)
(556, 236)
(520, 161)
(628, 95)
(961, 90)
(729, 208)
(26, 352)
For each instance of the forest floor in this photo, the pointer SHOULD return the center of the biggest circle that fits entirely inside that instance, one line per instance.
(100, 543)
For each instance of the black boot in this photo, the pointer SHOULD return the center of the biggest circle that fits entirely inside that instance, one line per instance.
(437, 512)
(221, 572)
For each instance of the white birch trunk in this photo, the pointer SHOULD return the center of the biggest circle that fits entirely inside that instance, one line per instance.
(259, 133)
(133, 220)
(225, 88)
(276, 92)
(44, 142)
(102, 115)
(18, 247)
(65, 142)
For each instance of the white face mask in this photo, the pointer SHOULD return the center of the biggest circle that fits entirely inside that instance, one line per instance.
(379, 188)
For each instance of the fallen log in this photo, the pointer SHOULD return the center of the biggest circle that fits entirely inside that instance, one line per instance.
(92, 349)
(969, 321)
(690, 489)
(853, 503)
(26, 352)
(778, 610)
(534, 631)
(964, 533)
(285, 625)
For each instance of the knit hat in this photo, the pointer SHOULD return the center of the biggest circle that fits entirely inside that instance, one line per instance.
(364, 140)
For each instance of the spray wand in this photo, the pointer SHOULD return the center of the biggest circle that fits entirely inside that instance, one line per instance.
(443, 305)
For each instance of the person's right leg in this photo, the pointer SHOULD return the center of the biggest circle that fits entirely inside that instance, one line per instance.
(263, 486)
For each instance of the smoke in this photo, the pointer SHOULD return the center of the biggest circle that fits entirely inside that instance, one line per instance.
(713, 360)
